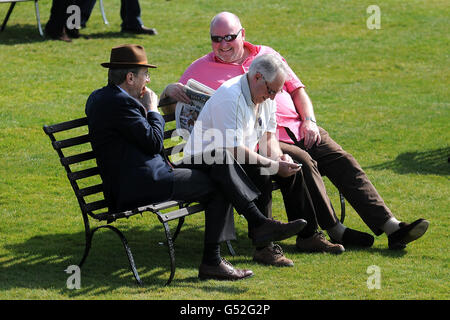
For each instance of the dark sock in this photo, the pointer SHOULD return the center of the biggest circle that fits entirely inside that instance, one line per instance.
(211, 254)
(253, 216)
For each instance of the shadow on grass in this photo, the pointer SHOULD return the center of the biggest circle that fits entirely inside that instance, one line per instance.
(20, 34)
(40, 262)
(378, 251)
(425, 162)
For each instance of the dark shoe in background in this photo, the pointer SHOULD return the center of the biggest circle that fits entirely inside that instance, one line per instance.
(141, 30)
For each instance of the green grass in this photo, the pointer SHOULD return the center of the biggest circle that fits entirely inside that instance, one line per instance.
(382, 94)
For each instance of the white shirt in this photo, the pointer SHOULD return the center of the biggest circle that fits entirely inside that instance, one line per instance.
(228, 119)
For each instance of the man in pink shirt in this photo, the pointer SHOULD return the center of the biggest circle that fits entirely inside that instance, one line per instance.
(319, 154)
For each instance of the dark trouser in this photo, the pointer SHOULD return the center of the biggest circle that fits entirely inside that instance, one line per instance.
(58, 17)
(130, 12)
(297, 201)
(219, 186)
(330, 160)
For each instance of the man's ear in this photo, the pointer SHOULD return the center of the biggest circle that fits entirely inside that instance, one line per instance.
(129, 77)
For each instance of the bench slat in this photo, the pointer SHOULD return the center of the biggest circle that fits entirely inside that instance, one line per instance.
(71, 142)
(176, 214)
(67, 125)
(83, 173)
(96, 205)
(78, 158)
(90, 190)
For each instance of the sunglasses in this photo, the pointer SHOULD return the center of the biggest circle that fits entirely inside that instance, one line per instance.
(227, 38)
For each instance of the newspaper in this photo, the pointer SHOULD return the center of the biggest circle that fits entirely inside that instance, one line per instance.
(186, 114)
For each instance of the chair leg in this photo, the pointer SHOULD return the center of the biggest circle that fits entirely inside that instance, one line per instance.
(38, 18)
(102, 9)
(171, 252)
(11, 7)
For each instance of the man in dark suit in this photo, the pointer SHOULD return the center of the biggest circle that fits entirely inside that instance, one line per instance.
(127, 138)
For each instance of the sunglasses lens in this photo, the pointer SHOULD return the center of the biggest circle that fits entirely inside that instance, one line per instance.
(227, 38)
(230, 37)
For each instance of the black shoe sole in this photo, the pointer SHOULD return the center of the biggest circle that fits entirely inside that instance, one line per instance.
(205, 277)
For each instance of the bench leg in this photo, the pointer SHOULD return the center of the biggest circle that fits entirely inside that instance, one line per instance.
(342, 199)
(230, 248)
(90, 235)
(177, 231)
(171, 252)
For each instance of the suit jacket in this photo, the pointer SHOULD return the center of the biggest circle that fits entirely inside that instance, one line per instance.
(128, 144)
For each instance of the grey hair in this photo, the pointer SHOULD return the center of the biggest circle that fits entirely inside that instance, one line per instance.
(269, 66)
(117, 76)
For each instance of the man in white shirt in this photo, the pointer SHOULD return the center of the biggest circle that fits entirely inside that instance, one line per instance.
(240, 117)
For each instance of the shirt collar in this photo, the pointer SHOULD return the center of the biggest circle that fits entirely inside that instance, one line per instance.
(246, 90)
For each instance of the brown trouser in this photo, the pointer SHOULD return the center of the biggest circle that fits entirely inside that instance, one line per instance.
(330, 160)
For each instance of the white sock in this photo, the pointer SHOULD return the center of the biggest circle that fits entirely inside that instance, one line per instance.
(391, 226)
(336, 232)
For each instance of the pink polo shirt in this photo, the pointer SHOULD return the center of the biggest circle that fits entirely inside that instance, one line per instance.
(212, 72)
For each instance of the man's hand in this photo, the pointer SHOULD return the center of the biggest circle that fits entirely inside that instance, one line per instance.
(286, 157)
(310, 132)
(286, 169)
(175, 91)
(149, 99)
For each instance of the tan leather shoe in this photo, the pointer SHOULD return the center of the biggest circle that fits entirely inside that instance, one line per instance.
(272, 255)
(318, 243)
(224, 271)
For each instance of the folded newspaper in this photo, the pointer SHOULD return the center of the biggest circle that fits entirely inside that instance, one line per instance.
(186, 114)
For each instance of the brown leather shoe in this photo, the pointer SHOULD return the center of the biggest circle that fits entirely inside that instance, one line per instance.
(272, 255)
(273, 230)
(318, 243)
(224, 271)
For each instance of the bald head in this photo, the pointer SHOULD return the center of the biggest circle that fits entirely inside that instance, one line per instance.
(228, 24)
(225, 19)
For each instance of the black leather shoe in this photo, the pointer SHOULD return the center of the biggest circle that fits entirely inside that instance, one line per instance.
(224, 271)
(407, 233)
(273, 230)
(141, 30)
(355, 238)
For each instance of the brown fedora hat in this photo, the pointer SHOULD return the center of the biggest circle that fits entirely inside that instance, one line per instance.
(127, 55)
